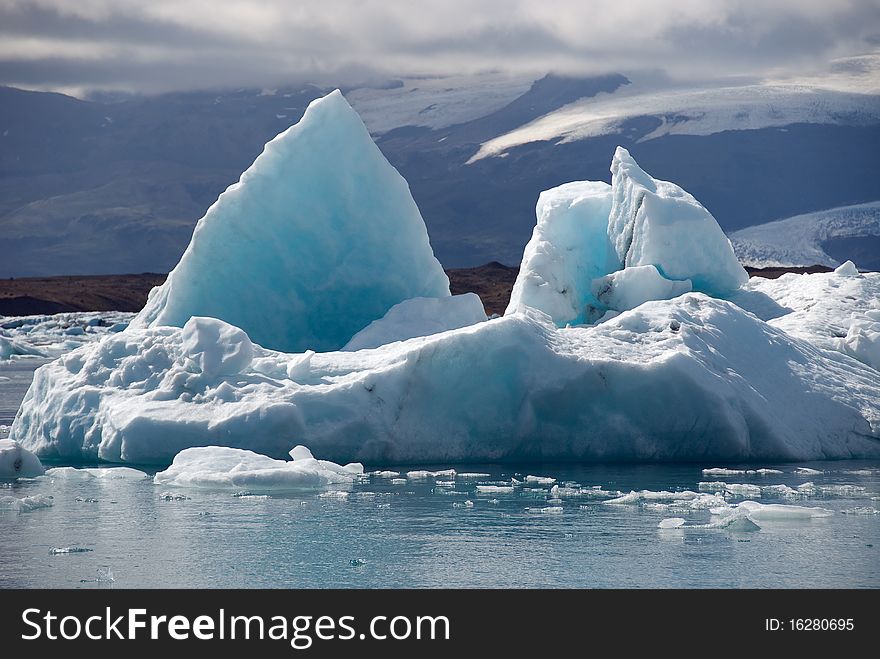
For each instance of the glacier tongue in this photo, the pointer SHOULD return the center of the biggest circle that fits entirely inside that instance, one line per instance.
(319, 238)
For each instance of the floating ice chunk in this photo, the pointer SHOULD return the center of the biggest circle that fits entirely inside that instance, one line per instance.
(546, 510)
(743, 489)
(18, 462)
(468, 504)
(723, 471)
(771, 512)
(421, 474)
(767, 472)
(398, 481)
(357, 562)
(861, 510)
(440, 483)
(339, 495)
(847, 269)
(10, 348)
(385, 474)
(628, 288)
(711, 486)
(671, 523)
(222, 467)
(320, 237)
(421, 316)
(861, 472)
(472, 475)
(806, 471)
(649, 495)
(782, 491)
(68, 550)
(540, 480)
(96, 473)
(27, 504)
(495, 489)
(586, 492)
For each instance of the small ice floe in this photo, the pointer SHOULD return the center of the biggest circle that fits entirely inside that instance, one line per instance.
(398, 481)
(806, 471)
(781, 491)
(384, 474)
(96, 473)
(357, 562)
(861, 472)
(712, 486)
(767, 472)
(648, 495)
(173, 496)
(547, 510)
(861, 510)
(444, 483)
(573, 492)
(220, 467)
(770, 512)
(743, 490)
(671, 523)
(18, 462)
(105, 575)
(540, 480)
(724, 471)
(421, 474)
(27, 504)
(472, 475)
(54, 551)
(337, 495)
(495, 489)
(86, 500)
(244, 495)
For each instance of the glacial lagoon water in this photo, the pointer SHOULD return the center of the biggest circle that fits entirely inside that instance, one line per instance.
(441, 531)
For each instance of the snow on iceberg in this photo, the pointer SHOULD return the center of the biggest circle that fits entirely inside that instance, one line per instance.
(17, 462)
(319, 238)
(690, 378)
(224, 468)
(420, 316)
(581, 260)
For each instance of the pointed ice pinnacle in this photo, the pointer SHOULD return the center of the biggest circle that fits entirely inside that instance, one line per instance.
(319, 238)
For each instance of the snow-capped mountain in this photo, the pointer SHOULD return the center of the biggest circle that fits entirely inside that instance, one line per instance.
(114, 184)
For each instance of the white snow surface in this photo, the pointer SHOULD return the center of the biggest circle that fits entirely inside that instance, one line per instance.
(724, 386)
(835, 311)
(319, 238)
(218, 467)
(798, 240)
(639, 239)
(53, 335)
(420, 316)
(17, 462)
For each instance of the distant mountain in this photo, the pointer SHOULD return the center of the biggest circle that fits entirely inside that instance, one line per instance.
(116, 184)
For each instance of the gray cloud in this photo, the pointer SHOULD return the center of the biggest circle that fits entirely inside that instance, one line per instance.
(178, 44)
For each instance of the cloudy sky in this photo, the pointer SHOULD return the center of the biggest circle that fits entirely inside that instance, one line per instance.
(161, 45)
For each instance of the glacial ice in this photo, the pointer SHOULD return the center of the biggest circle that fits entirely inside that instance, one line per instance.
(628, 288)
(26, 504)
(319, 238)
(655, 222)
(53, 335)
(521, 390)
(218, 467)
(597, 248)
(421, 316)
(18, 462)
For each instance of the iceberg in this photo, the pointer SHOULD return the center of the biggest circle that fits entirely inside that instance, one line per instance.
(18, 462)
(319, 238)
(722, 387)
(219, 467)
(320, 247)
(597, 248)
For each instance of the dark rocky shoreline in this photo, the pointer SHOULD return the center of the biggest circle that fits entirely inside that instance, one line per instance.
(46, 295)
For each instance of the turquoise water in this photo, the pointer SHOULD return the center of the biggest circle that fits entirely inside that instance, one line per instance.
(384, 535)
(418, 533)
